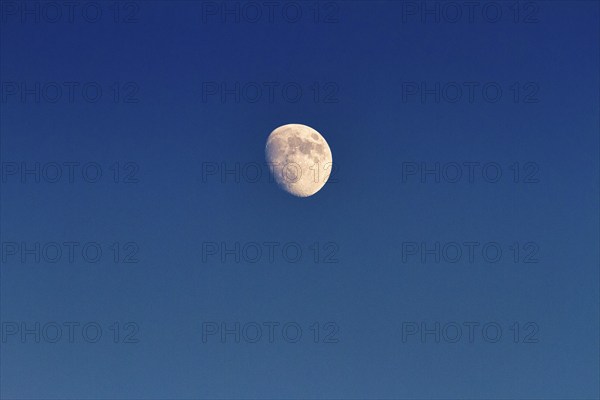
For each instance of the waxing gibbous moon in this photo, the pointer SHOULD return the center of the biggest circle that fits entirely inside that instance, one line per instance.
(299, 158)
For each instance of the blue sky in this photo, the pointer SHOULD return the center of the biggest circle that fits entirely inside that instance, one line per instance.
(111, 115)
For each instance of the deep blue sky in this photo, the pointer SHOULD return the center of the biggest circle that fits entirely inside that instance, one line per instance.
(365, 57)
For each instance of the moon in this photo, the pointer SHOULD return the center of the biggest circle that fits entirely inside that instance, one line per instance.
(299, 158)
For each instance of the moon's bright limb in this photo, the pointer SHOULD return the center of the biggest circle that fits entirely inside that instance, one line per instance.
(299, 158)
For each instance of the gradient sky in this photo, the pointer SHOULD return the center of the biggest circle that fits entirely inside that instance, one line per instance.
(160, 121)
